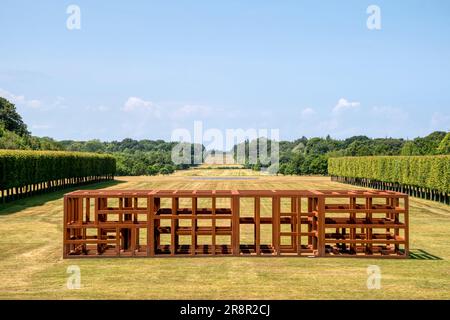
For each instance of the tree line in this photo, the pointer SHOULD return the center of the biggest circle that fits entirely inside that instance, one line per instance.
(304, 156)
(310, 156)
(24, 173)
(421, 176)
(133, 157)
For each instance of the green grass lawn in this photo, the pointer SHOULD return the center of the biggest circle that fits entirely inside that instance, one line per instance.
(31, 265)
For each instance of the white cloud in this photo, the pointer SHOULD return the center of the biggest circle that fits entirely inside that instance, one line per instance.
(142, 115)
(394, 121)
(344, 104)
(20, 99)
(135, 103)
(307, 112)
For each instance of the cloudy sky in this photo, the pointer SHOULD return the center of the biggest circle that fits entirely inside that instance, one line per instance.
(141, 69)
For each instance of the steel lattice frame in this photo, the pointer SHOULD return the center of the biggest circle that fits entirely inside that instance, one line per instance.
(160, 223)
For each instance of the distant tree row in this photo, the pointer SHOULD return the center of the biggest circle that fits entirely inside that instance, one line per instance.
(24, 172)
(133, 157)
(310, 156)
(150, 157)
(14, 132)
(420, 176)
(144, 163)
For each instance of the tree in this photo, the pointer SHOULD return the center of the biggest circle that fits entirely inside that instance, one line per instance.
(94, 146)
(360, 148)
(410, 149)
(167, 169)
(295, 166)
(139, 169)
(283, 168)
(350, 140)
(444, 146)
(424, 146)
(11, 140)
(170, 168)
(11, 120)
(257, 166)
(153, 170)
(290, 169)
(319, 165)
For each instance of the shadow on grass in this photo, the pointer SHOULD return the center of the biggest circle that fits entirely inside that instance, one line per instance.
(419, 254)
(38, 200)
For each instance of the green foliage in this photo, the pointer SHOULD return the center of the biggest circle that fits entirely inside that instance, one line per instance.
(167, 169)
(300, 164)
(10, 119)
(20, 168)
(428, 145)
(310, 156)
(317, 165)
(257, 166)
(144, 163)
(444, 146)
(422, 171)
(124, 146)
(153, 170)
(150, 157)
(134, 157)
(94, 146)
(11, 140)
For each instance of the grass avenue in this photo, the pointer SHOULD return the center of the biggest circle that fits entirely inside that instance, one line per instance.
(36, 269)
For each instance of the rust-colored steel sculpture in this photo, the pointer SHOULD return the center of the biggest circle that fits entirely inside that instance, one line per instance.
(159, 223)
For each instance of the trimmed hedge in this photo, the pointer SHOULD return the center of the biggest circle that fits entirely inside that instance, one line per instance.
(431, 172)
(19, 169)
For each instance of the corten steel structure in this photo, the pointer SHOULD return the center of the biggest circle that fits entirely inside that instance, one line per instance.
(157, 223)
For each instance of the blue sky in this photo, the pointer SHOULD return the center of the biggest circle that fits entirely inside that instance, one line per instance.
(140, 69)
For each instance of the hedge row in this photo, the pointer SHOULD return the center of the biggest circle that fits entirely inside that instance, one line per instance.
(23, 168)
(432, 172)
